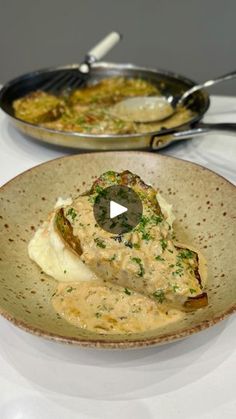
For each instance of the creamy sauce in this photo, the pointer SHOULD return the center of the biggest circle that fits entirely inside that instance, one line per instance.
(145, 259)
(106, 308)
(139, 282)
(143, 109)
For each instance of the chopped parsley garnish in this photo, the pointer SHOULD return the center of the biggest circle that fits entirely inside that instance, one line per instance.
(80, 120)
(99, 190)
(70, 289)
(65, 271)
(117, 238)
(146, 222)
(170, 251)
(175, 287)
(171, 266)
(91, 199)
(113, 257)
(159, 258)
(72, 213)
(119, 123)
(142, 228)
(98, 315)
(100, 243)
(185, 254)
(146, 236)
(178, 272)
(179, 264)
(109, 175)
(159, 295)
(128, 244)
(164, 244)
(127, 291)
(192, 290)
(141, 268)
(156, 219)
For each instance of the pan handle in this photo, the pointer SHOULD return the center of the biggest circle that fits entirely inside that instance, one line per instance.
(201, 129)
(101, 49)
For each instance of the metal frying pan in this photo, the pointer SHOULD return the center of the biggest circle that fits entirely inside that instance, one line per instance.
(168, 83)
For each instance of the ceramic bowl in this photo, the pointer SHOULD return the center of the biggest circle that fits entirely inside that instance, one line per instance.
(204, 205)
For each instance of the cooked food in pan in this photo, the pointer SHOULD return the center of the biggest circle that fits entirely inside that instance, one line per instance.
(123, 283)
(39, 107)
(88, 110)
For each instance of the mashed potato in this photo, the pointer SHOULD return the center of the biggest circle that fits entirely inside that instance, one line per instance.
(53, 256)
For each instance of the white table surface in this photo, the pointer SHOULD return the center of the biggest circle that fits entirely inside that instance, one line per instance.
(193, 378)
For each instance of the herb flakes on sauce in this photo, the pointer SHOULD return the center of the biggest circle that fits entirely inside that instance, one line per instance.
(100, 243)
(159, 295)
(127, 291)
(164, 244)
(72, 213)
(141, 267)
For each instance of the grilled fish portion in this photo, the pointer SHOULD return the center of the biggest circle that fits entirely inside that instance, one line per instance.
(38, 107)
(146, 259)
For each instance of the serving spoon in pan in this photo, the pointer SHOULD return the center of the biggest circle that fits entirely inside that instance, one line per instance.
(156, 108)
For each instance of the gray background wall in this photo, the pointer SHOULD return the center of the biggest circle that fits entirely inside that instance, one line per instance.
(192, 37)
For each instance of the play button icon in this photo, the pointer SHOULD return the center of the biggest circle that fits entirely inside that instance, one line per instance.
(117, 209)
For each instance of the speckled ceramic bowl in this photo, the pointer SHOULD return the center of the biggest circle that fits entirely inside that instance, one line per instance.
(205, 207)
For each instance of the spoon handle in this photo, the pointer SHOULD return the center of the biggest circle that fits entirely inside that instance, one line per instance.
(159, 141)
(207, 83)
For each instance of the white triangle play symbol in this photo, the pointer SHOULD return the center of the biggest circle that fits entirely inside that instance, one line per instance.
(116, 209)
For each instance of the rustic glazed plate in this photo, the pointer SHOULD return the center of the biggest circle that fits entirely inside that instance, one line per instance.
(204, 204)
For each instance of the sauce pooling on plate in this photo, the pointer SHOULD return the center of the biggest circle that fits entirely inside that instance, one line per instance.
(107, 308)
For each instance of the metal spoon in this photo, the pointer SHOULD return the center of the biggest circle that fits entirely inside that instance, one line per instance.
(156, 108)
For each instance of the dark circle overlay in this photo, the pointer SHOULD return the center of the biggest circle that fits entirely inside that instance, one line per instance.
(122, 195)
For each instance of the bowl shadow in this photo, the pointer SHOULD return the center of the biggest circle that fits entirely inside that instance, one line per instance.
(113, 374)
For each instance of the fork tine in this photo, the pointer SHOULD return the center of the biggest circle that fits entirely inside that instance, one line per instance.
(76, 82)
(64, 80)
(61, 84)
(53, 81)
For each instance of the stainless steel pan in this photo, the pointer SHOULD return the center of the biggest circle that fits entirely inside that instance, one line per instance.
(167, 82)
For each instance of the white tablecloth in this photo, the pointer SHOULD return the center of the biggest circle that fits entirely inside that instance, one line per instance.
(193, 378)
